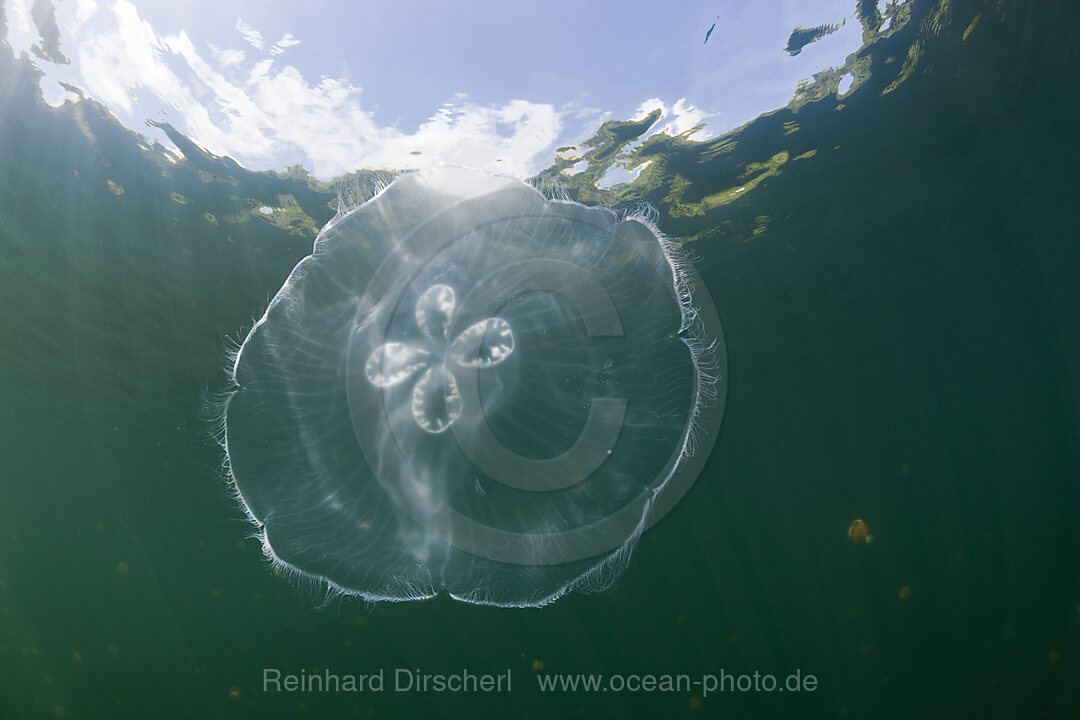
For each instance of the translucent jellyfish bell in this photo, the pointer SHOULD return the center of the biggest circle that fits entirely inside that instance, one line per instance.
(469, 389)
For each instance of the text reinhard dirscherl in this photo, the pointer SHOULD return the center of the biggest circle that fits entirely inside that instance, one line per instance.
(399, 680)
(467, 681)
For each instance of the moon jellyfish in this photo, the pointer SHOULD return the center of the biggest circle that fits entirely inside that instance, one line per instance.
(470, 389)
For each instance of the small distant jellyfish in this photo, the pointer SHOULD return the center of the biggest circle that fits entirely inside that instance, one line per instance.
(472, 390)
(859, 532)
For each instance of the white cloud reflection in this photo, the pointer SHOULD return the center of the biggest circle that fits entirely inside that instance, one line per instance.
(286, 41)
(250, 106)
(243, 98)
(252, 36)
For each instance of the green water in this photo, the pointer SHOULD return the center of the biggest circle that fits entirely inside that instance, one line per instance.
(903, 326)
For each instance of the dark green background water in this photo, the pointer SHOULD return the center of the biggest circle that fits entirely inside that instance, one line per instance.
(904, 347)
